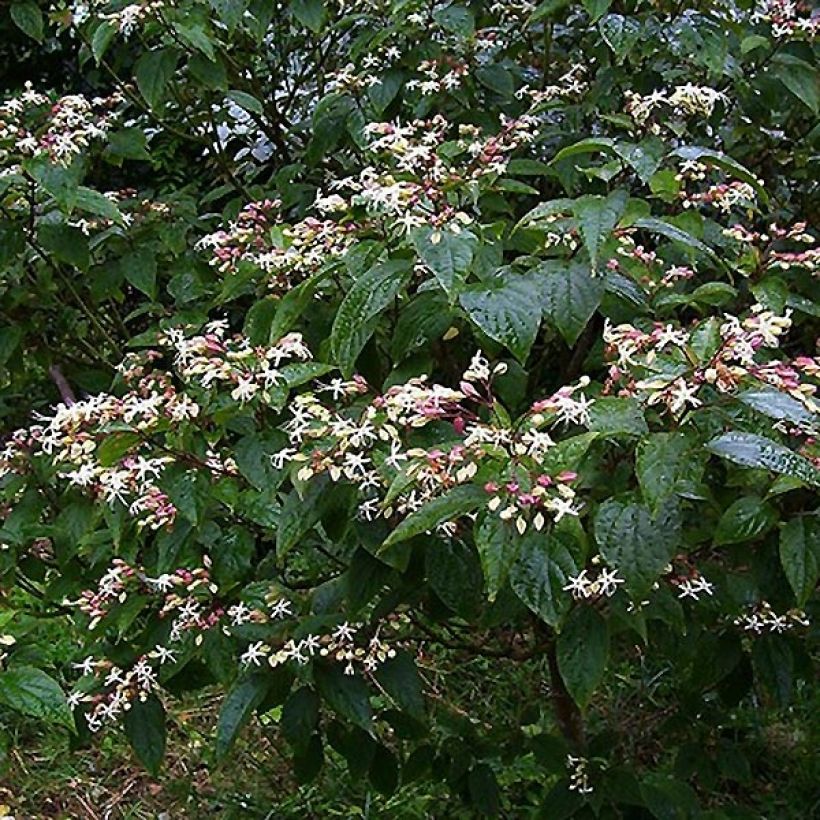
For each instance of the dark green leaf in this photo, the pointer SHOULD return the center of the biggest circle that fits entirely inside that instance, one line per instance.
(800, 555)
(751, 450)
(32, 692)
(145, 729)
(506, 310)
(583, 653)
(237, 708)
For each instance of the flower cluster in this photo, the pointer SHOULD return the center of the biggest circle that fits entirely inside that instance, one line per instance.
(655, 364)
(584, 586)
(725, 196)
(346, 644)
(571, 85)
(768, 246)
(215, 359)
(110, 690)
(372, 446)
(72, 437)
(32, 125)
(762, 618)
(683, 101)
(789, 19)
(578, 768)
(296, 250)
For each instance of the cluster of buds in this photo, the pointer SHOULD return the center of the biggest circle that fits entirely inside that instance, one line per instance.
(346, 644)
(32, 125)
(71, 437)
(762, 618)
(371, 446)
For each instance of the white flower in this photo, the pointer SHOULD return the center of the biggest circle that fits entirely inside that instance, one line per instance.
(254, 654)
(245, 389)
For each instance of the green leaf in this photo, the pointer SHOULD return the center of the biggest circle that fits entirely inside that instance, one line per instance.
(676, 234)
(669, 799)
(751, 450)
(247, 693)
(384, 770)
(596, 8)
(354, 324)
(597, 216)
(497, 543)
(195, 36)
(506, 309)
(590, 145)
(568, 453)
(101, 40)
(140, 270)
(485, 794)
(310, 13)
(291, 307)
(232, 561)
(540, 572)
(620, 33)
(635, 543)
(453, 570)
(128, 143)
(230, 12)
(455, 19)
(400, 678)
(28, 17)
(153, 72)
(583, 652)
(347, 695)
(32, 692)
(800, 555)
(144, 725)
(613, 416)
(800, 77)
(246, 101)
(425, 319)
(300, 513)
(777, 405)
(448, 254)
(666, 464)
(644, 158)
(496, 78)
(94, 202)
(448, 507)
(699, 154)
(571, 295)
(66, 243)
(746, 519)
(300, 716)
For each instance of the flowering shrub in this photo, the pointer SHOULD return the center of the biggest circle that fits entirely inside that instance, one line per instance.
(346, 343)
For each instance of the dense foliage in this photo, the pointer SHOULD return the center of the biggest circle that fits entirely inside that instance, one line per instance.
(349, 344)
